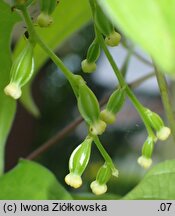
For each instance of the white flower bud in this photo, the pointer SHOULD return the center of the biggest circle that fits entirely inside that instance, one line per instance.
(98, 189)
(144, 162)
(13, 90)
(163, 133)
(73, 180)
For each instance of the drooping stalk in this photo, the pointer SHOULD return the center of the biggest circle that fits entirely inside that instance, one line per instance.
(166, 100)
(122, 83)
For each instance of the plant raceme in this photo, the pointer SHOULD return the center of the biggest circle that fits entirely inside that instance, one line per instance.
(88, 105)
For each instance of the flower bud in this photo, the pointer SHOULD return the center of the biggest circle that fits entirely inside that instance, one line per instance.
(88, 104)
(163, 133)
(21, 72)
(78, 162)
(73, 180)
(116, 101)
(113, 106)
(88, 67)
(113, 39)
(97, 128)
(144, 162)
(44, 20)
(97, 188)
(47, 7)
(99, 185)
(107, 116)
(157, 124)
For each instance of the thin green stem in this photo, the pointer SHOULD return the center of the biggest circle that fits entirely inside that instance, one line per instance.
(35, 37)
(105, 155)
(166, 100)
(70, 127)
(122, 83)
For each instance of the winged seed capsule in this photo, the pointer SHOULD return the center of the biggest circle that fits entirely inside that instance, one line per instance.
(21, 72)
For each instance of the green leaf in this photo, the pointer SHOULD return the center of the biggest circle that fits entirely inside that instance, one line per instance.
(68, 17)
(7, 105)
(31, 181)
(150, 23)
(158, 183)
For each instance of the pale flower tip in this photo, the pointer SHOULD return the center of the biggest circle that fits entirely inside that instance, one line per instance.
(13, 91)
(44, 20)
(73, 180)
(113, 39)
(88, 67)
(107, 117)
(97, 128)
(115, 173)
(163, 133)
(144, 162)
(98, 189)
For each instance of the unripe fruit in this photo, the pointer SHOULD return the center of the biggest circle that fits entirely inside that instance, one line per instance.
(21, 72)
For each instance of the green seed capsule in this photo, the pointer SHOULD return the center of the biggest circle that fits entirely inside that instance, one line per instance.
(116, 101)
(78, 162)
(88, 65)
(104, 174)
(99, 185)
(102, 22)
(154, 119)
(80, 157)
(113, 106)
(21, 72)
(162, 132)
(93, 52)
(148, 147)
(89, 109)
(88, 104)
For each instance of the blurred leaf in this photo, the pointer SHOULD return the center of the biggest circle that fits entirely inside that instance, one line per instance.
(158, 183)
(68, 17)
(31, 181)
(7, 105)
(150, 23)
